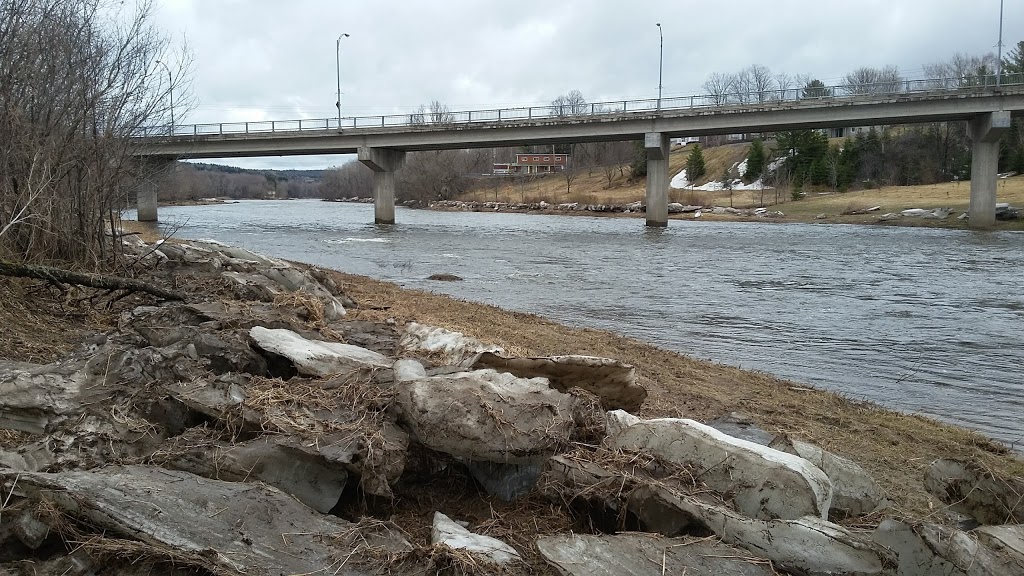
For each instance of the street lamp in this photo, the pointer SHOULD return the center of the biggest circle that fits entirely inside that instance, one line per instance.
(661, 60)
(999, 60)
(337, 56)
(170, 88)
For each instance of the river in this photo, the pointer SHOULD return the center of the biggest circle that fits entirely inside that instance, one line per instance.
(916, 319)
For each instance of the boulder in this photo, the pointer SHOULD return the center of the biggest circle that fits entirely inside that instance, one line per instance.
(611, 498)
(612, 381)
(743, 427)
(761, 482)
(486, 415)
(913, 556)
(807, 544)
(854, 491)
(967, 553)
(35, 398)
(449, 533)
(451, 348)
(1008, 537)
(975, 491)
(310, 478)
(408, 369)
(506, 481)
(316, 357)
(639, 554)
(221, 527)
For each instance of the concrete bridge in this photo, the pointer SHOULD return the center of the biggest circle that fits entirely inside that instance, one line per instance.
(381, 142)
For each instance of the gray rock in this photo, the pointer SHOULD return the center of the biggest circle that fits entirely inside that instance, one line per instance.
(854, 491)
(974, 491)
(644, 555)
(485, 415)
(451, 348)
(310, 478)
(743, 427)
(316, 357)
(612, 381)
(408, 369)
(506, 481)
(761, 482)
(453, 535)
(219, 526)
(913, 555)
(807, 544)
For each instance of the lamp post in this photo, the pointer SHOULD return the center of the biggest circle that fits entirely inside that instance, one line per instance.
(999, 60)
(337, 57)
(661, 60)
(170, 89)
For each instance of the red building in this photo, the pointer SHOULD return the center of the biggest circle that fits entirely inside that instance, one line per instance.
(533, 164)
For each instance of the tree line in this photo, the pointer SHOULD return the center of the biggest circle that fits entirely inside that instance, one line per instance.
(880, 155)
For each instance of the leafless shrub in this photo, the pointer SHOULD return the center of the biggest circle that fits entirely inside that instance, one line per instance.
(79, 79)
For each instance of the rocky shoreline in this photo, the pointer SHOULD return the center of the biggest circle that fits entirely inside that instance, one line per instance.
(264, 426)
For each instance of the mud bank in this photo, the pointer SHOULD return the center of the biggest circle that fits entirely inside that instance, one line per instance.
(290, 420)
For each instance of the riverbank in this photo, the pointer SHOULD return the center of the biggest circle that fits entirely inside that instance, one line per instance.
(934, 205)
(895, 449)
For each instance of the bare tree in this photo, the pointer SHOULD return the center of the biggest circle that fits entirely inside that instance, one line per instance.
(761, 82)
(80, 80)
(784, 83)
(570, 104)
(873, 81)
(718, 86)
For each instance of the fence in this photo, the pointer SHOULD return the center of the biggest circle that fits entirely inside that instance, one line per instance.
(849, 93)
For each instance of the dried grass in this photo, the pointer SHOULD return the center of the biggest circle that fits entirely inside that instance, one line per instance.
(80, 534)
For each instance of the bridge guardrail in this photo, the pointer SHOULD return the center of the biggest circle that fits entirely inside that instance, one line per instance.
(842, 93)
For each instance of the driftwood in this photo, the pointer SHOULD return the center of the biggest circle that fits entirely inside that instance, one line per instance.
(100, 281)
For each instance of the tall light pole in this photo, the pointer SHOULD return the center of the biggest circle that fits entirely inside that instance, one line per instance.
(999, 61)
(337, 57)
(661, 60)
(170, 89)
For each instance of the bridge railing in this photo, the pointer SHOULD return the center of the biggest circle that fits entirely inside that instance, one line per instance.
(724, 101)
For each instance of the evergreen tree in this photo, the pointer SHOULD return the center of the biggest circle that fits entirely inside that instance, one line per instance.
(755, 162)
(816, 89)
(727, 183)
(1013, 63)
(638, 168)
(695, 168)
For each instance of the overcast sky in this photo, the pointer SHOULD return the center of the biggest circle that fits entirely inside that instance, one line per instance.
(273, 59)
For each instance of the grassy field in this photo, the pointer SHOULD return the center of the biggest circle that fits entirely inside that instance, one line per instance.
(595, 187)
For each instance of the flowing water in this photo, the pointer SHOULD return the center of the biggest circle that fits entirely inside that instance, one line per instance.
(916, 319)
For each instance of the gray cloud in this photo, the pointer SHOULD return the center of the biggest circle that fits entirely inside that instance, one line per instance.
(266, 59)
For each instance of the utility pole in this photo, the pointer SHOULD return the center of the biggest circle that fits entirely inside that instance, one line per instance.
(999, 61)
(337, 58)
(660, 62)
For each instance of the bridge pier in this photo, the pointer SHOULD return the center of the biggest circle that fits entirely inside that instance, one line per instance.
(384, 162)
(146, 201)
(146, 197)
(985, 132)
(657, 146)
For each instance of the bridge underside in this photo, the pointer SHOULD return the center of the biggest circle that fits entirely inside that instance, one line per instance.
(382, 149)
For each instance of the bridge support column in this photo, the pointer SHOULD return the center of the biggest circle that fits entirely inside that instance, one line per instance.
(985, 132)
(657, 147)
(384, 162)
(152, 173)
(146, 201)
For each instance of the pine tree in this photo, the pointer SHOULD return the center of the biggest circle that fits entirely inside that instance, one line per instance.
(695, 168)
(1013, 63)
(755, 162)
